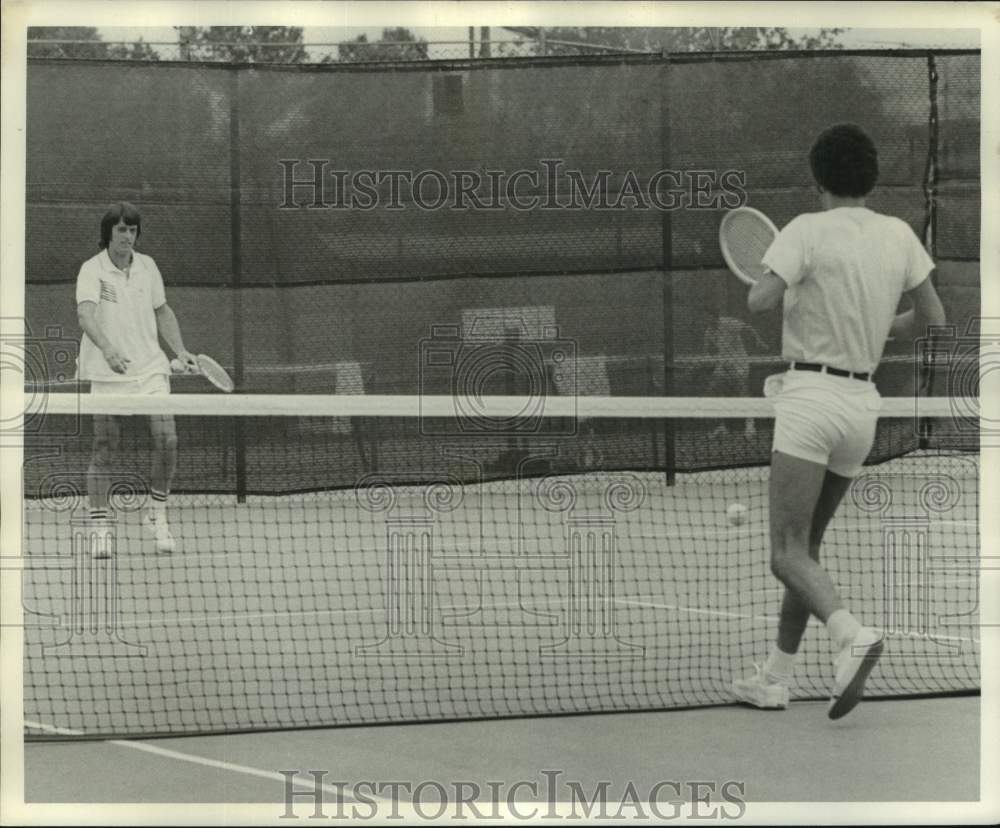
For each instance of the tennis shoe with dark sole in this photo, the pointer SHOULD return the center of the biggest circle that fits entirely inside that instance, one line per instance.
(853, 665)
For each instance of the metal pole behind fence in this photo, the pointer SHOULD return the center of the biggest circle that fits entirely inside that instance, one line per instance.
(667, 255)
(925, 426)
(236, 260)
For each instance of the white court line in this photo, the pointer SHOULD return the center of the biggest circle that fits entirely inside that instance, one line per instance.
(694, 611)
(723, 614)
(461, 611)
(454, 610)
(168, 621)
(956, 582)
(194, 759)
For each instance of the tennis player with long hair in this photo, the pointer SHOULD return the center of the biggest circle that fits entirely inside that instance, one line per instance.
(123, 310)
(840, 274)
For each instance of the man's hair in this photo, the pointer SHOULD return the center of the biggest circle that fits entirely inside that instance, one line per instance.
(122, 211)
(844, 161)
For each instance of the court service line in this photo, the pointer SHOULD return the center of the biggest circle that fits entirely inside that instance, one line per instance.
(697, 611)
(723, 614)
(459, 611)
(194, 759)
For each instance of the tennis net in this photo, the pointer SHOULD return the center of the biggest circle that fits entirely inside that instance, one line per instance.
(360, 559)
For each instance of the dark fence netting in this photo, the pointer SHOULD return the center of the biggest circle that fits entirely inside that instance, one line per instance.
(315, 226)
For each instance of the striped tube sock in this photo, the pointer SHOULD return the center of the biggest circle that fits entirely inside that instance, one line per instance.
(159, 508)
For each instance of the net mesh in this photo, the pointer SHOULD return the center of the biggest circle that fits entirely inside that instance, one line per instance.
(437, 571)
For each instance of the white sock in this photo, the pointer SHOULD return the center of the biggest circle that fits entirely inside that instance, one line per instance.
(842, 627)
(158, 511)
(780, 666)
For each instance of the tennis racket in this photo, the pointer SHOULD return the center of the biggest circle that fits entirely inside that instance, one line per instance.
(744, 236)
(209, 369)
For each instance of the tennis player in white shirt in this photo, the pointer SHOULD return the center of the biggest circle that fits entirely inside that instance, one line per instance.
(840, 274)
(123, 310)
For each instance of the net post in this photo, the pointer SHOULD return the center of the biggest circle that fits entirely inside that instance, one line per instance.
(236, 264)
(667, 254)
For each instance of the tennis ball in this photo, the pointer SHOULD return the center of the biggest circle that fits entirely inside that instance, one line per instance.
(737, 514)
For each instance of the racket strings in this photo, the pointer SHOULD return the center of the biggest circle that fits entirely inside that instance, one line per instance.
(748, 241)
(215, 373)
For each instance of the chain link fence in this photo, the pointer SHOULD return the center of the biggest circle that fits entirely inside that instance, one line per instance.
(321, 222)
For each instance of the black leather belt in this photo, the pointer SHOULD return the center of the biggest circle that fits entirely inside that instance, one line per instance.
(826, 369)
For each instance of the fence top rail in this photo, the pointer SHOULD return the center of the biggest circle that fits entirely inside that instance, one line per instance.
(512, 62)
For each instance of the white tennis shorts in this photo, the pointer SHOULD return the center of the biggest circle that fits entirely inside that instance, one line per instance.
(825, 419)
(152, 384)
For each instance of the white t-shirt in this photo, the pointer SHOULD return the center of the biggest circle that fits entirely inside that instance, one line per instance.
(846, 270)
(126, 308)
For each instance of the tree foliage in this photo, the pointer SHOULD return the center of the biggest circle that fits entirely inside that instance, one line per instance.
(677, 39)
(139, 50)
(396, 43)
(93, 49)
(242, 44)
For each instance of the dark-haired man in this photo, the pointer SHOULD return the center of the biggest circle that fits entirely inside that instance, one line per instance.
(122, 309)
(840, 274)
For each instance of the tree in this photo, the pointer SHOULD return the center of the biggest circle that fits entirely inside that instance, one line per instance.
(139, 50)
(672, 39)
(242, 44)
(395, 44)
(93, 49)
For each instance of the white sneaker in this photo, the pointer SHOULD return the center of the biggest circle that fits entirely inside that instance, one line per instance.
(853, 665)
(760, 692)
(165, 542)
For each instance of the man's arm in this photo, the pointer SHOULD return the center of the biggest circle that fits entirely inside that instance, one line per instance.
(166, 324)
(86, 314)
(767, 293)
(927, 311)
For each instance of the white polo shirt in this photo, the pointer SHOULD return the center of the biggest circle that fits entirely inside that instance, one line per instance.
(846, 270)
(125, 312)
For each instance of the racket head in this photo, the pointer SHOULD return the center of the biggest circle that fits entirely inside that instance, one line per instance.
(215, 373)
(744, 237)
